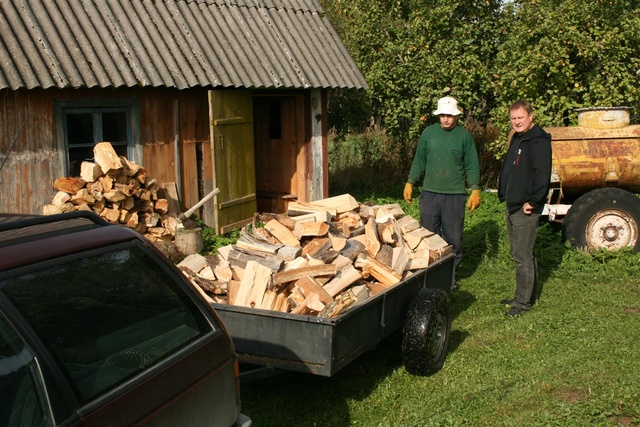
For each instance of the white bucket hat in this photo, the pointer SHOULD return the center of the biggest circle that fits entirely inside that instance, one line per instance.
(447, 105)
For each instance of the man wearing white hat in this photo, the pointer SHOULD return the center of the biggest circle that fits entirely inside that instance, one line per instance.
(445, 161)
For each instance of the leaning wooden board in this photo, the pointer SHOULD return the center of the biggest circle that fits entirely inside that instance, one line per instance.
(323, 346)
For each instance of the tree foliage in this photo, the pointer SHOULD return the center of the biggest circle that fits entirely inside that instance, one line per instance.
(558, 54)
(412, 52)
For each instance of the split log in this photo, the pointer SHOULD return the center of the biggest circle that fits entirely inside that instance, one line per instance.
(381, 272)
(367, 211)
(194, 262)
(361, 292)
(310, 271)
(386, 232)
(250, 243)
(296, 263)
(285, 220)
(289, 253)
(106, 157)
(371, 232)
(413, 238)
(400, 259)
(345, 278)
(350, 219)
(300, 208)
(407, 224)
(339, 204)
(383, 215)
(338, 239)
(89, 171)
(339, 305)
(60, 198)
(69, 185)
(352, 249)
(320, 216)
(316, 247)
(282, 233)
(310, 285)
(326, 256)
(253, 286)
(385, 256)
(310, 229)
(341, 262)
(242, 257)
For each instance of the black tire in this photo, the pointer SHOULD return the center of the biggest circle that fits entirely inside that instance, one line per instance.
(606, 218)
(426, 332)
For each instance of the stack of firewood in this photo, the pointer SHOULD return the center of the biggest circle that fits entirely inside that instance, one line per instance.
(119, 191)
(319, 259)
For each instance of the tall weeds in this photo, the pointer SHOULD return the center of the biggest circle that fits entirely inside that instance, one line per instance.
(374, 162)
(366, 162)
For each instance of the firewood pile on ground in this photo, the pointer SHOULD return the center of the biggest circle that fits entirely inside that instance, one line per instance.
(319, 259)
(119, 191)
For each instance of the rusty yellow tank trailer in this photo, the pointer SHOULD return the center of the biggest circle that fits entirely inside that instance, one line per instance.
(595, 176)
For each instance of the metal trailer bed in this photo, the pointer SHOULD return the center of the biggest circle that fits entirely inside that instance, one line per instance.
(321, 346)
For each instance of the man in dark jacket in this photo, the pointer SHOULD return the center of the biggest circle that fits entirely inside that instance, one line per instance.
(524, 185)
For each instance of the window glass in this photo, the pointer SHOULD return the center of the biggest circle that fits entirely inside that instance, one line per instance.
(108, 316)
(114, 128)
(84, 127)
(22, 402)
(80, 129)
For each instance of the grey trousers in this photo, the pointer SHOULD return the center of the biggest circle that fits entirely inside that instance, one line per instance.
(522, 230)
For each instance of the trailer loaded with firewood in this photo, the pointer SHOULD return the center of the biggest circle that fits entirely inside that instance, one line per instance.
(312, 290)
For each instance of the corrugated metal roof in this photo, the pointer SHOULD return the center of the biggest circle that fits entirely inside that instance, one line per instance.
(171, 43)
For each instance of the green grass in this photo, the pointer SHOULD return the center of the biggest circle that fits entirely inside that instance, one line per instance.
(574, 360)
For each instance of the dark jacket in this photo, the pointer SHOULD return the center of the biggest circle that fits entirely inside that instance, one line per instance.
(526, 170)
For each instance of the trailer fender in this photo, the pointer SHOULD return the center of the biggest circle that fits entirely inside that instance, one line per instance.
(426, 332)
(606, 218)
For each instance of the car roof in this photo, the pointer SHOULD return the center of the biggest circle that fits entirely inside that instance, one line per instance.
(30, 238)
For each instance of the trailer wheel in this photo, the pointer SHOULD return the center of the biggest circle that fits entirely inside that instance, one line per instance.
(426, 332)
(606, 218)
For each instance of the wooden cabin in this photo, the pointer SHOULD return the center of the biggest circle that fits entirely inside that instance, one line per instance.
(202, 93)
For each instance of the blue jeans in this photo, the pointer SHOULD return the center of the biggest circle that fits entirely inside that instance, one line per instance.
(522, 230)
(444, 214)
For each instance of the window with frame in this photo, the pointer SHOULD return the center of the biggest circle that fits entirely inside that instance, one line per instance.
(82, 124)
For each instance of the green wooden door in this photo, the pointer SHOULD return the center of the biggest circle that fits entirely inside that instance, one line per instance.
(233, 157)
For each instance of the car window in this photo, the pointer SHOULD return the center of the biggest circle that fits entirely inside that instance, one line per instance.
(106, 316)
(22, 399)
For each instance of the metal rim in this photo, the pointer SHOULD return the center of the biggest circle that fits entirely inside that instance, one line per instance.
(611, 229)
(438, 332)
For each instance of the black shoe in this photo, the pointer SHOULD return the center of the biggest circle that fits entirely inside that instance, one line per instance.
(515, 311)
(507, 302)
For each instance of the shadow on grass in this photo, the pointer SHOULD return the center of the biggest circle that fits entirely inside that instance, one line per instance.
(481, 241)
(311, 400)
(550, 250)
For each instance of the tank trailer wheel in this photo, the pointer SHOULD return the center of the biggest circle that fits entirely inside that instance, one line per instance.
(426, 332)
(606, 218)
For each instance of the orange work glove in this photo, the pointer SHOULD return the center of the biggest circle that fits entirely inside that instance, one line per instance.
(408, 192)
(474, 200)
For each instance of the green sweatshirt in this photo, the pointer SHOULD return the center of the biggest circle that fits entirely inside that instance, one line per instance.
(444, 159)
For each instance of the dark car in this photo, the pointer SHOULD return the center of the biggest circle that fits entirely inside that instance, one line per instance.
(98, 328)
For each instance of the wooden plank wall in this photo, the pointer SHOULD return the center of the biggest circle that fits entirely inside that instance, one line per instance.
(29, 156)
